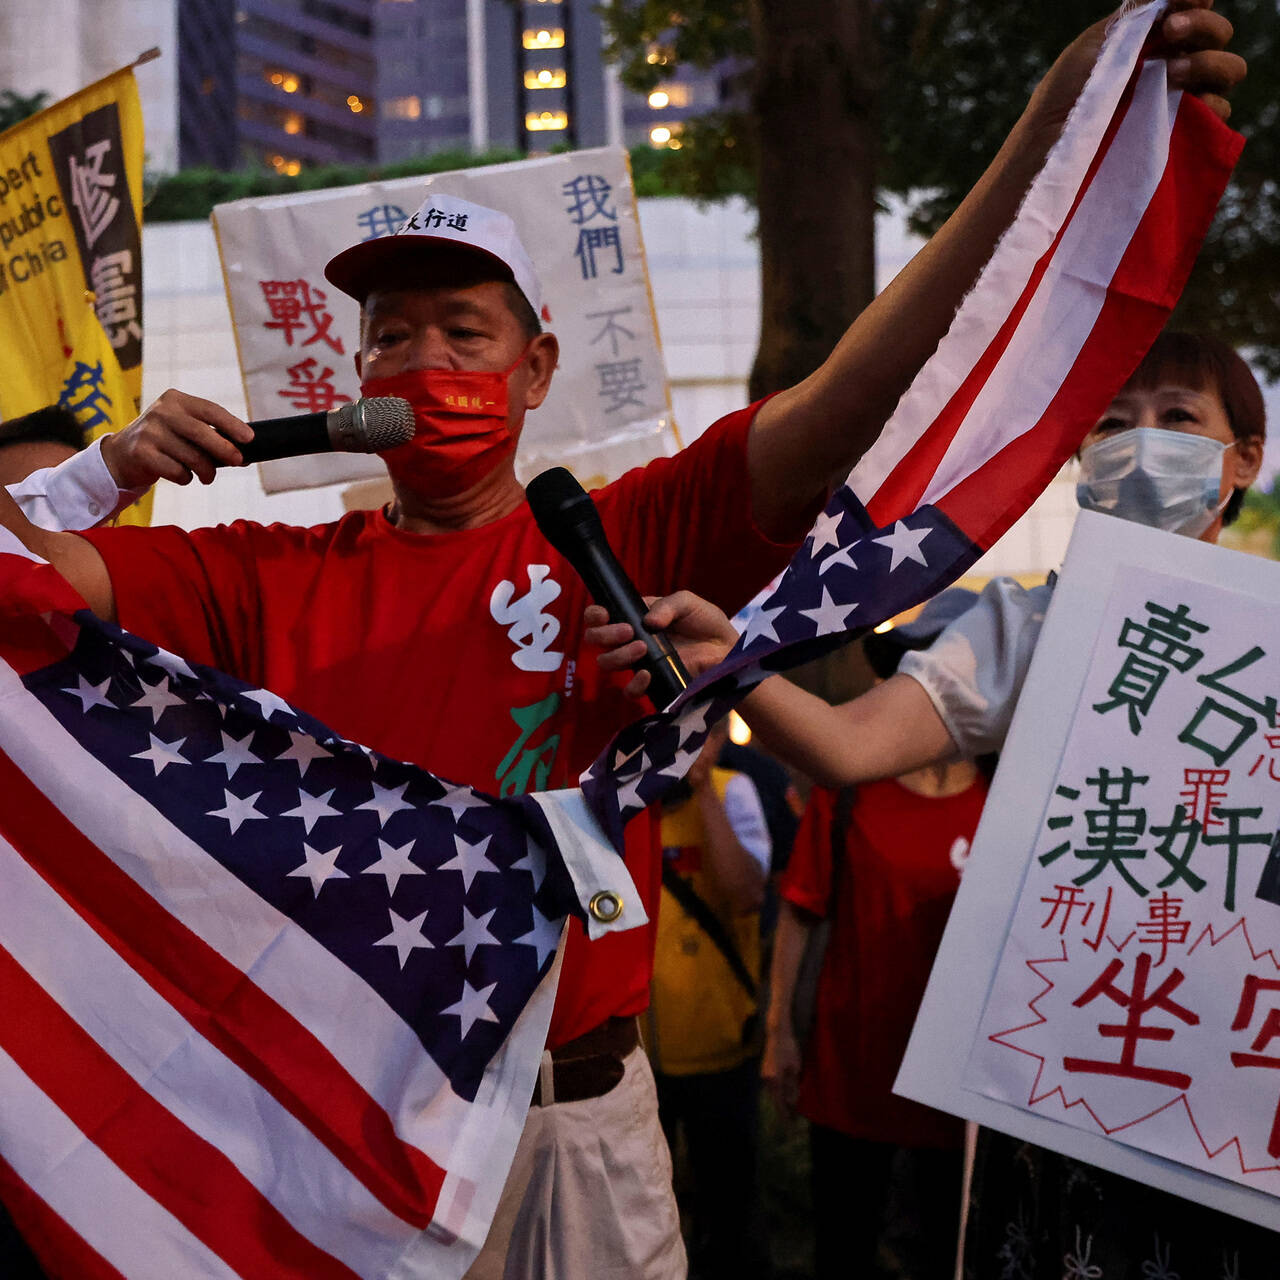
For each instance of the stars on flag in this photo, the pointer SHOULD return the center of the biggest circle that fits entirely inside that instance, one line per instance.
(406, 936)
(259, 779)
(829, 617)
(544, 937)
(474, 933)
(393, 863)
(469, 860)
(459, 800)
(235, 753)
(760, 626)
(904, 544)
(826, 532)
(387, 801)
(158, 698)
(238, 809)
(268, 703)
(91, 695)
(843, 558)
(320, 867)
(161, 754)
(473, 1007)
(312, 808)
(303, 750)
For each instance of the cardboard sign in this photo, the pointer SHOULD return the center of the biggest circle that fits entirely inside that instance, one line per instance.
(609, 407)
(1109, 984)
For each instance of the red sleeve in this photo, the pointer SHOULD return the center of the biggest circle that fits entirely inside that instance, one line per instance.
(686, 521)
(195, 593)
(806, 883)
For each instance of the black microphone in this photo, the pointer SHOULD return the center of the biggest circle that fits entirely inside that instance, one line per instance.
(364, 426)
(570, 522)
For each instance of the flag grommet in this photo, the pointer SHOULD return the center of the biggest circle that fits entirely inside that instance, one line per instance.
(605, 906)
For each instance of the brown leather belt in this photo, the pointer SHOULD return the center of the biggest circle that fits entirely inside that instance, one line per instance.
(591, 1065)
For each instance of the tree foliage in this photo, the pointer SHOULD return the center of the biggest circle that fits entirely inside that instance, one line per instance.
(16, 107)
(950, 77)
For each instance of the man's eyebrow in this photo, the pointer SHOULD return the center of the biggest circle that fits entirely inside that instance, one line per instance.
(468, 307)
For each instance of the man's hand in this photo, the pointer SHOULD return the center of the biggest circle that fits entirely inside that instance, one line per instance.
(780, 1069)
(701, 633)
(1191, 37)
(177, 437)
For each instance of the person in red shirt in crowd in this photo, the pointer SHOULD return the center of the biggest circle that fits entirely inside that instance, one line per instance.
(881, 863)
(446, 631)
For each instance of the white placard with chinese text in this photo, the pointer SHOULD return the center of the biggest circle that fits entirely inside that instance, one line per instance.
(1109, 984)
(609, 406)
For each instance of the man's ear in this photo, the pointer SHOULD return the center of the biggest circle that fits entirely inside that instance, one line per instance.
(542, 357)
(1248, 461)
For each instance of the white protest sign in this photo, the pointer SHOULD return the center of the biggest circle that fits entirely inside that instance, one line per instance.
(1109, 985)
(296, 335)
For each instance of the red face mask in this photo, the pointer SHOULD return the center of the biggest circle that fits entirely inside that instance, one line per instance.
(461, 433)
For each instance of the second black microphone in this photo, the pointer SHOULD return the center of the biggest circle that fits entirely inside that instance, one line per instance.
(570, 522)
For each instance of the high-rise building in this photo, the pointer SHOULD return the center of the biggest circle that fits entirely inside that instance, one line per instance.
(293, 84)
(297, 83)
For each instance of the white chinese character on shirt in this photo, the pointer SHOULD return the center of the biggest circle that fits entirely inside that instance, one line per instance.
(530, 629)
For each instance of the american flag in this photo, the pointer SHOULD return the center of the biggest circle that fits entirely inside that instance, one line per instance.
(222, 1053)
(1075, 293)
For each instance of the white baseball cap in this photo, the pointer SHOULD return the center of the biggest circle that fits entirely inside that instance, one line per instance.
(442, 222)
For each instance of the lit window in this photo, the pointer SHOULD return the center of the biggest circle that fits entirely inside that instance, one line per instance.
(407, 108)
(660, 135)
(293, 168)
(544, 38)
(293, 123)
(290, 84)
(355, 103)
(542, 121)
(659, 99)
(545, 79)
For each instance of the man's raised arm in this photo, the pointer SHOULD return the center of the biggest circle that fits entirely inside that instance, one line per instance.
(71, 555)
(178, 437)
(810, 436)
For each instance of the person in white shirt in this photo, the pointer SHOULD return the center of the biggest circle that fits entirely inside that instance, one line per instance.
(62, 486)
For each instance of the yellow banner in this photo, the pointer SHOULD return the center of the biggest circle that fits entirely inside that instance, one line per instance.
(71, 261)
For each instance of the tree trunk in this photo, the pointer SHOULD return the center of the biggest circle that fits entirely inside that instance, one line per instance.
(814, 101)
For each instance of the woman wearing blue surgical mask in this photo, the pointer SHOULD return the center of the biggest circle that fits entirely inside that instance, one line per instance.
(1176, 449)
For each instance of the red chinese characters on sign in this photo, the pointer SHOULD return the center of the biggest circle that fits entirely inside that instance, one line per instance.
(1273, 745)
(311, 389)
(1068, 900)
(1269, 1031)
(1164, 925)
(1136, 1003)
(295, 307)
(1203, 790)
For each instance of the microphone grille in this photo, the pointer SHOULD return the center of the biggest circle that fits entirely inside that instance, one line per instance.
(372, 425)
(562, 509)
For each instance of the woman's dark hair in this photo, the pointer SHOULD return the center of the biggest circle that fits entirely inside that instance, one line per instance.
(1201, 362)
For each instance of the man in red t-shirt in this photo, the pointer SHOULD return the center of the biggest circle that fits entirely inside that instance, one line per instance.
(447, 632)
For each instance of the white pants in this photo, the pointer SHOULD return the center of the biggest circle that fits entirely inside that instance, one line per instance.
(589, 1194)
